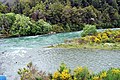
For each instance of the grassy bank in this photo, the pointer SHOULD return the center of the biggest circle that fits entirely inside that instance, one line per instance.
(109, 39)
(106, 46)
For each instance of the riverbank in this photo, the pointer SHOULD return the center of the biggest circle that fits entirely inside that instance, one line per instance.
(2, 36)
(108, 40)
(105, 46)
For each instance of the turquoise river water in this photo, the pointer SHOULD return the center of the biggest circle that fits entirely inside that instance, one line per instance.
(15, 53)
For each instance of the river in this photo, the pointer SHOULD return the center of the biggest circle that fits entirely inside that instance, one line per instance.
(15, 53)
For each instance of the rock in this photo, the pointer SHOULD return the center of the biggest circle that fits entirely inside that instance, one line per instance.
(52, 32)
(108, 44)
(2, 52)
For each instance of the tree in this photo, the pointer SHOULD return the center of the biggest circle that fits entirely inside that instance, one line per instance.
(3, 8)
(22, 26)
(6, 21)
(85, 3)
(57, 28)
(96, 3)
(26, 10)
(46, 27)
(113, 3)
(91, 15)
(38, 12)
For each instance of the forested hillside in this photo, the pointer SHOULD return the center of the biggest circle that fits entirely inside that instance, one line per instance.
(66, 15)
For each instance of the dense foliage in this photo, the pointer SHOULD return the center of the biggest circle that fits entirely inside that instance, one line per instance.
(6, 21)
(89, 30)
(91, 39)
(107, 36)
(64, 73)
(19, 25)
(65, 15)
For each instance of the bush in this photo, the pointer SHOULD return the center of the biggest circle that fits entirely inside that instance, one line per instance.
(75, 27)
(89, 30)
(81, 73)
(46, 27)
(64, 73)
(11, 16)
(3, 8)
(108, 36)
(113, 74)
(105, 25)
(35, 29)
(31, 73)
(67, 28)
(6, 21)
(57, 29)
(38, 12)
(21, 26)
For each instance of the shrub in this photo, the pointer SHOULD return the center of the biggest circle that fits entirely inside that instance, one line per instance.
(57, 28)
(21, 26)
(64, 73)
(11, 16)
(105, 25)
(105, 38)
(38, 12)
(35, 29)
(108, 36)
(89, 30)
(24, 26)
(46, 27)
(75, 27)
(3, 8)
(81, 73)
(31, 73)
(67, 28)
(117, 39)
(6, 22)
(111, 74)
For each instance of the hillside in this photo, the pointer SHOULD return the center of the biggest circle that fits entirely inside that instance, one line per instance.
(61, 15)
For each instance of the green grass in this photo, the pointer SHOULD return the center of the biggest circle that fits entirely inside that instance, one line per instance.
(104, 46)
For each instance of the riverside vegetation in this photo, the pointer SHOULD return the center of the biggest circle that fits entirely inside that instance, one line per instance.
(65, 73)
(90, 38)
(35, 17)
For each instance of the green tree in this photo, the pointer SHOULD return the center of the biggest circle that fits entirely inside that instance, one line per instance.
(96, 3)
(57, 28)
(91, 15)
(46, 27)
(39, 11)
(3, 8)
(21, 26)
(55, 12)
(6, 21)
(26, 10)
(113, 3)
